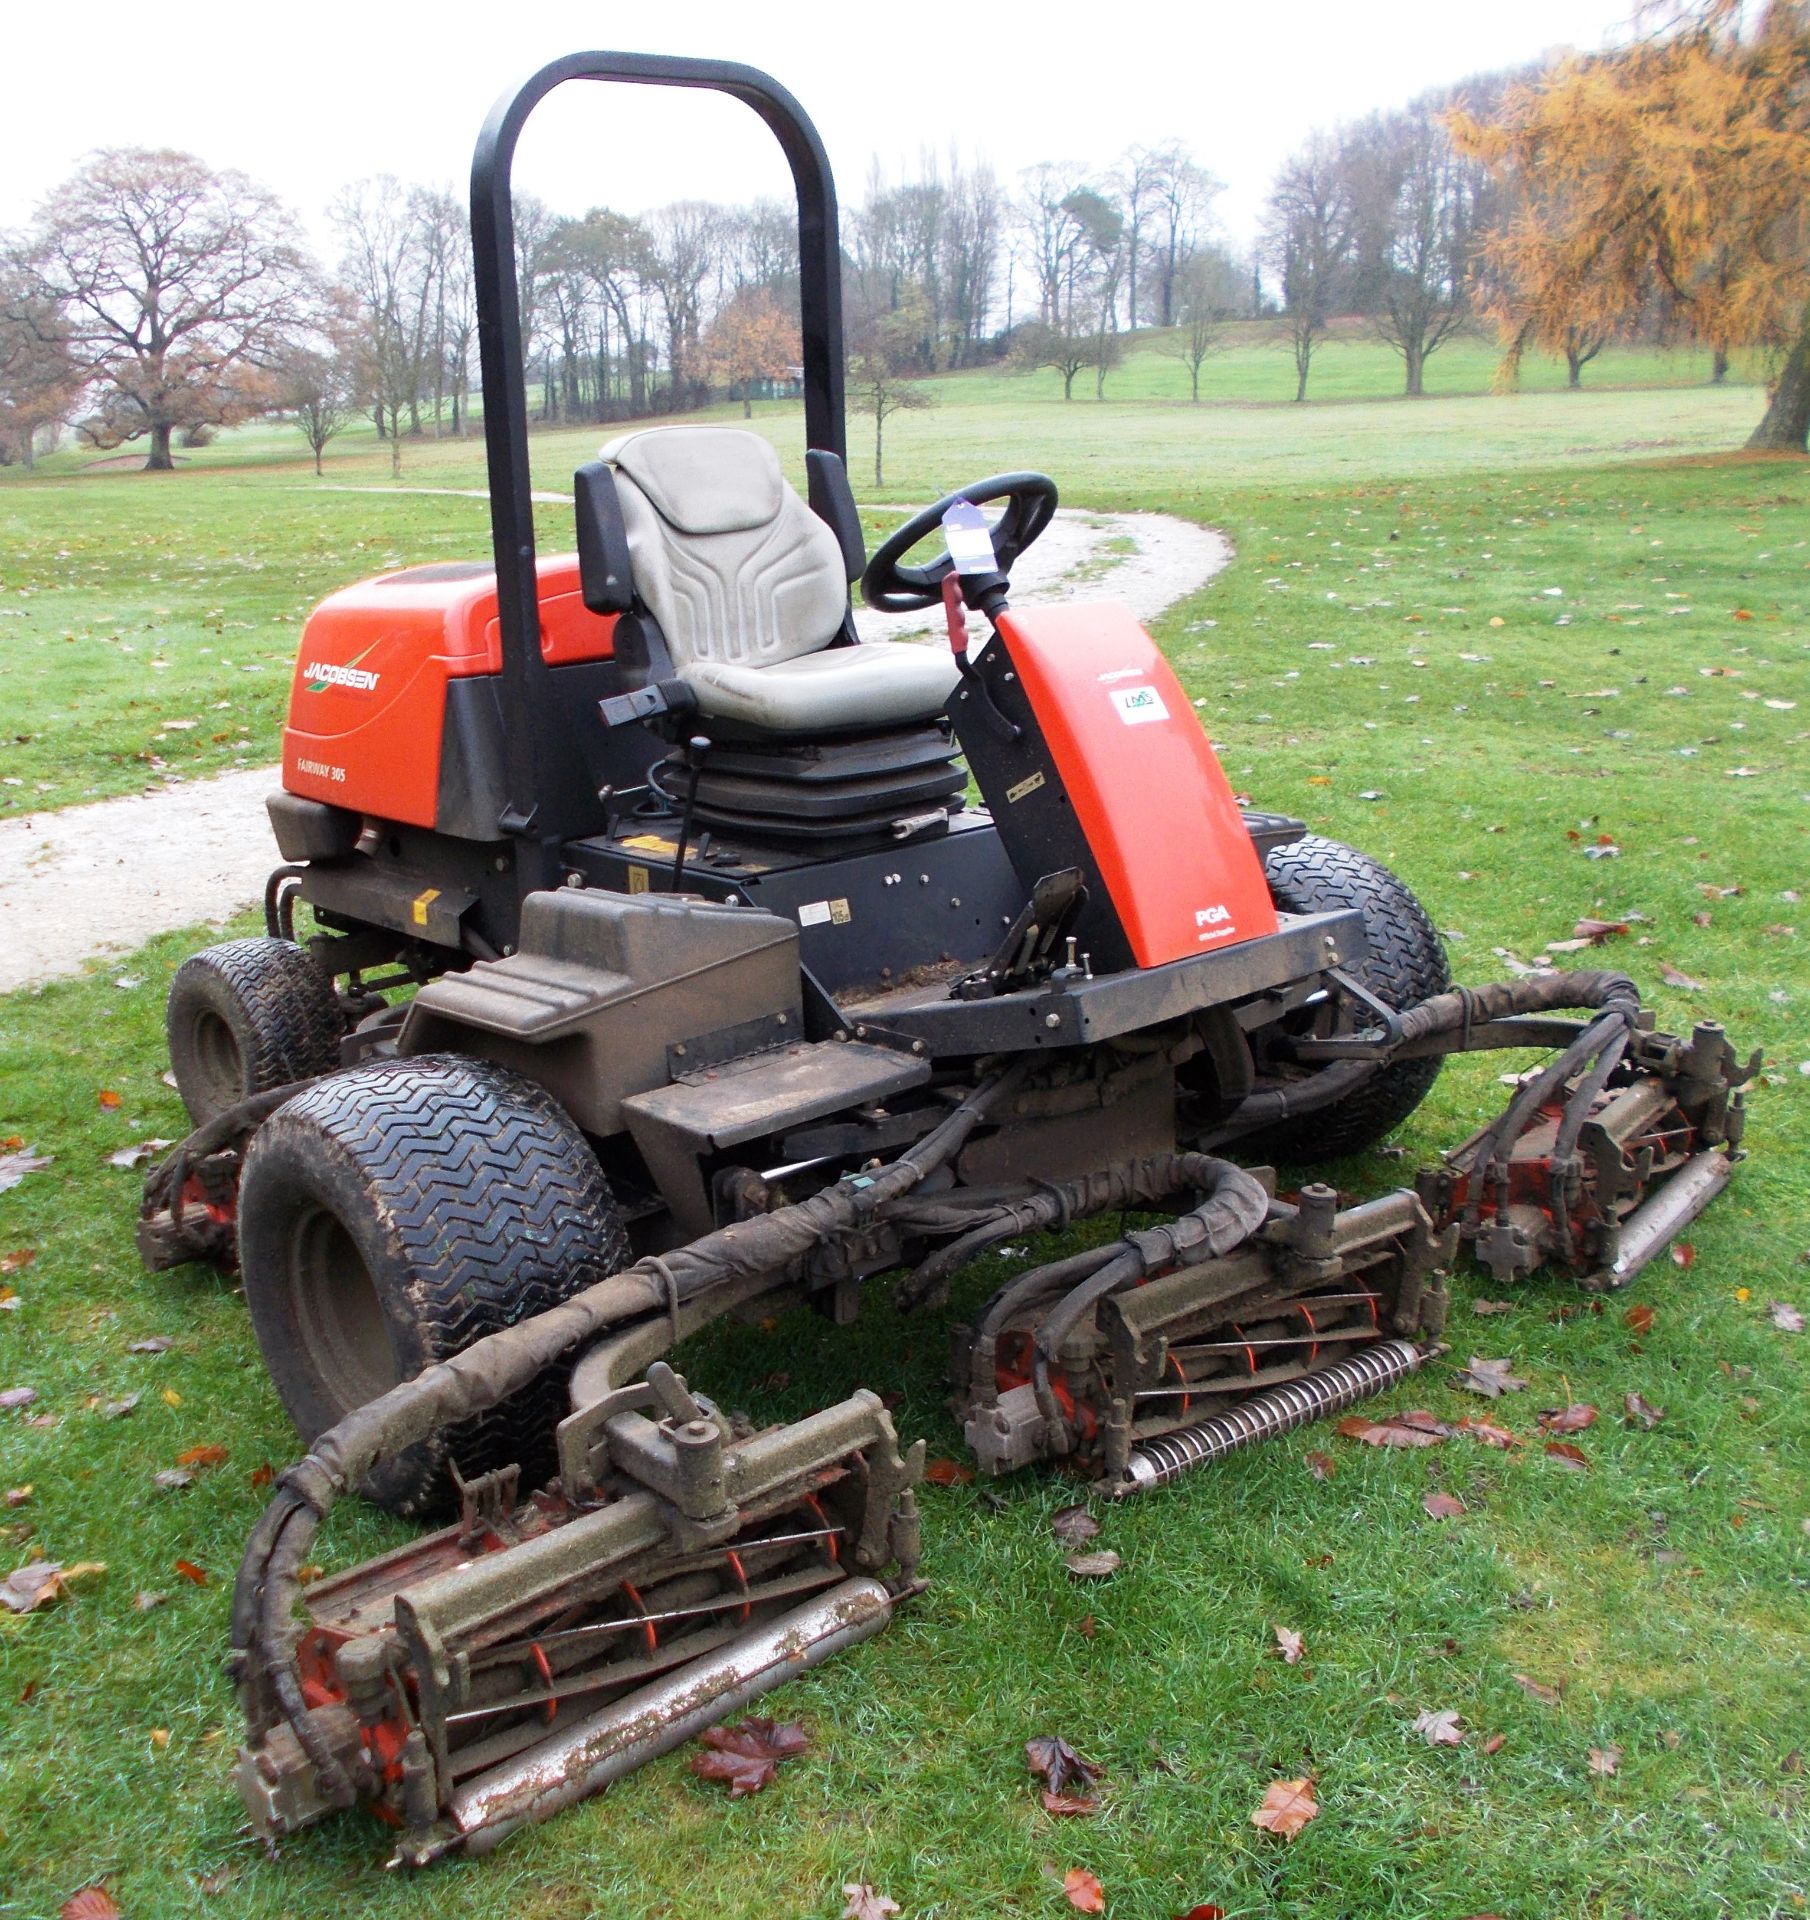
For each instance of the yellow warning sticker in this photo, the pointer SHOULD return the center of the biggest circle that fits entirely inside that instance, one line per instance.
(637, 879)
(839, 913)
(652, 843)
(422, 902)
(1025, 786)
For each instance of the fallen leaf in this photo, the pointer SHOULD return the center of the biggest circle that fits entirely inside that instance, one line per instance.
(118, 1409)
(1495, 1743)
(1677, 977)
(1489, 1433)
(1416, 1429)
(157, 1343)
(173, 1479)
(262, 1476)
(170, 1397)
(1093, 1566)
(195, 1575)
(14, 1262)
(1088, 1627)
(1638, 1320)
(17, 1397)
(1573, 1458)
(1636, 1409)
(1321, 1465)
(92, 1903)
(1074, 1524)
(1058, 1765)
(1439, 1729)
(948, 1473)
(149, 1602)
(1207, 1912)
(205, 1455)
(1568, 1419)
(1287, 1807)
(1683, 1254)
(1443, 1506)
(1605, 1760)
(1595, 932)
(865, 1902)
(39, 1582)
(18, 1496)
(1481, 1307)
(1547, 1696)
(1288, 1644)
(747, 1757)
(15, 1166)
(108, 1100)
(1785, 1316)
(1491, 1378)
(1068, 1805)
(1084, 1892)
(160, 1738)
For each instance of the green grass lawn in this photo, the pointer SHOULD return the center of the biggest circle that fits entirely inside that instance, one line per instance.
(1469, 634)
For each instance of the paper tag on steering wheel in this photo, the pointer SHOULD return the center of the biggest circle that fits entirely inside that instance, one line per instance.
(970, 544)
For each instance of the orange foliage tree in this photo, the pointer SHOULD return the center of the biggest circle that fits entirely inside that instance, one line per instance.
(1676, 169)
(750, 340)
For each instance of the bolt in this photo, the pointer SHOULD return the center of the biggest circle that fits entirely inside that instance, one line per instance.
(574, 879)
(501, 863)
(955, 899)
(860, 1033)
(679, 1051)
(917, 1046)
(782, 1019)
(1052, 1019)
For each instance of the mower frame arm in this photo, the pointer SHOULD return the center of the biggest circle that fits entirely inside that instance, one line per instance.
(534, 736)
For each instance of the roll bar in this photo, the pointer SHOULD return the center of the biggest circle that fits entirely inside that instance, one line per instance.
(533, 739)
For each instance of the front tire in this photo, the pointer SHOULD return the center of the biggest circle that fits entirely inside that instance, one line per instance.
(392, 1215)
(245, 1017)
(1406, 964)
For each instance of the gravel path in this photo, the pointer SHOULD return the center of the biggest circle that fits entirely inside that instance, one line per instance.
(83, 882)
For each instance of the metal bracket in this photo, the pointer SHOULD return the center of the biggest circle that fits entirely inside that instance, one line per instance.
(1350, 1046)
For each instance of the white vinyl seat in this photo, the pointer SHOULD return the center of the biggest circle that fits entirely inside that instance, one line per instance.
(749, 590)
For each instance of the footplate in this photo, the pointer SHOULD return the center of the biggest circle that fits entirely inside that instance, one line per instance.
(1316, 1286)
(484, 1676)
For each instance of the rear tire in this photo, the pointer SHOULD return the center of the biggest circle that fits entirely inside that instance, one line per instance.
(1406, 964)
(245, 1017)
(395, 1213)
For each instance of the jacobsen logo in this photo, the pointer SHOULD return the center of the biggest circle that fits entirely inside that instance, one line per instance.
(321, 674)
(1213, 923)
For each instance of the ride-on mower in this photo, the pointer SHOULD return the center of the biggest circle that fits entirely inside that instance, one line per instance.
(661, 969)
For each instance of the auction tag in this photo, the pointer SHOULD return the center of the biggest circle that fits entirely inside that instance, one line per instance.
(970, 544)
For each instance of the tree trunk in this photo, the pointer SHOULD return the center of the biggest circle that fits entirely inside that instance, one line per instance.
(395, 443)
(1194, 375)
(317, 463)
(1414, 362)
(1574, 368)
(1302, 362)
(1068, 383)
(30, 450)
(747, 403)
(1718, 366)
(879, 449)
(1785, 427)
(159, 461)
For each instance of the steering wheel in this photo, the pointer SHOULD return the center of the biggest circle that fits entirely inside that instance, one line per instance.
(889, 586)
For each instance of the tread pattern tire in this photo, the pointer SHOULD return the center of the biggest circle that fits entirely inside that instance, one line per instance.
(247, 1016)
(1406, 963)
(465, 1200)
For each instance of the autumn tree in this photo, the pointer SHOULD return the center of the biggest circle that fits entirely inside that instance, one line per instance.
(878, 382)
(1678, 165)
(317, 388)
(750, 340)
(1045, 343)
(177, 287)
(39, 382)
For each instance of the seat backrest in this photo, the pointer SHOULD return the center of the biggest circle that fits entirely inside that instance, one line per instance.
(725, 556)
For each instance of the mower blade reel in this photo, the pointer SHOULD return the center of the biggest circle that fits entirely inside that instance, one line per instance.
(1655, 1224)
(568, 1768)
(1267, 1415)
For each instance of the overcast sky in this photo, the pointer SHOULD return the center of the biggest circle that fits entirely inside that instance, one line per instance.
(313, 94)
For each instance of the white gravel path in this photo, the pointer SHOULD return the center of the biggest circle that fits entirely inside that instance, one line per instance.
(79, 883)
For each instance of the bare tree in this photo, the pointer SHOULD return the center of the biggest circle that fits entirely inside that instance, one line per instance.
(1180, 194)
(1207, 293)
(1307, 243)
(177, 288)
(1043, 343)
(381, 272)
(685, 252)
(877, 384)
(317, 388)
(39, 381)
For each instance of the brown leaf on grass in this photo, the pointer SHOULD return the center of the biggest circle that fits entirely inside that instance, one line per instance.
(1481, 1307)
(747, 1757)
(1638, 1320)
(1321, 1465)
(1574, 1459)
(1573, 1418)
(1093, 1566)
(1074, 1524)
(1636, 1410)
(1066, 1806)
(173, 1479)
(157, 1343)
(15, 1166)
(1495, 1743)
(1088, 1627)
(1606, 1761)
(17, 1397)
(17, 1262)
(138, 1153)
(196, 1576)
(40, 1582)
(206, 1455)
(107, 1100)
(18, 1496)
(1058, 1765)
(1287, 1807)
(1207, 1911)
(1491, 1378)
(1083, 1892)
(1414, 1429)
(1288, 1644)
(1595, 932)
(1677, 977)
(118, 1409)
(1439, 1728)
(1547, 1696)
(92, 1903)
(148, 1601)
(948, 1473)
(866, 1903)
(1684, 1255)
(1489, 1433)
(1443, 1506)
(1785, 1316)
(261, 1476)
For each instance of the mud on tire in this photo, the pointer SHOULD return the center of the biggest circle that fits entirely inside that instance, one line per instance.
(391, 1215)
(1406, 963)
(247, 1016)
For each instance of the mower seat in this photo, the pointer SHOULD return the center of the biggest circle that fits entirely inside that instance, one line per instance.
(750, 591)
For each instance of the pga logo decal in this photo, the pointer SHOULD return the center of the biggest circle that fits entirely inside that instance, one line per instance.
(1138, 705)
(1213, 923)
